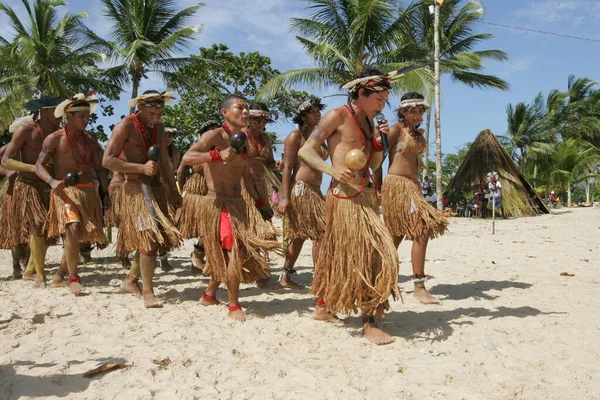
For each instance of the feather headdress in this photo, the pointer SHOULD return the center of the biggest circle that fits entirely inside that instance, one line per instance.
(152, 98)
(79, 102)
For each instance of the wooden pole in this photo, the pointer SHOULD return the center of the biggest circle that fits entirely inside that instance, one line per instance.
(438, 134)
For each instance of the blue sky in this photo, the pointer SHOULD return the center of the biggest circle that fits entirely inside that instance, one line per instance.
(537, 62)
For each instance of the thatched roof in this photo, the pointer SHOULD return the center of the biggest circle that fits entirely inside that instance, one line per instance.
(487, 154)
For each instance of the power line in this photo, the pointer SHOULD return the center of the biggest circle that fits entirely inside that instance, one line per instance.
(542, 32)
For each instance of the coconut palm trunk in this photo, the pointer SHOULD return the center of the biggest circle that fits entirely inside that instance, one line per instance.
(427, 129)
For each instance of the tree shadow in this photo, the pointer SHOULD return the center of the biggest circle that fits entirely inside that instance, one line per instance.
(439, 325)
(15, 385)
(173, 296)
(475, 289)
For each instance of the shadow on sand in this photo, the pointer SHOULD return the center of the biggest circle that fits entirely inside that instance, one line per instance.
(15, 385)
(475, 289)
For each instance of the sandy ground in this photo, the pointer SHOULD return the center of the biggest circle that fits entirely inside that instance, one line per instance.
(509, 327)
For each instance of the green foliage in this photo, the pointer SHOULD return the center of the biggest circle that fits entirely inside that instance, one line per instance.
(147, 36)
(215, 74)
(344, 37)
(47, 55)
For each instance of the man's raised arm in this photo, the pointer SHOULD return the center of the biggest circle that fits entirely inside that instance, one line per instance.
(13, 148)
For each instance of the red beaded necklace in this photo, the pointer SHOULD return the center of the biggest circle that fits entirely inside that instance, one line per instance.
(363, 141)
(80, 159)
(148, 141)
(42, 133)
(227, 130)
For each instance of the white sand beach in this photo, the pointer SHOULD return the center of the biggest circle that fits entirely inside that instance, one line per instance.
(509, 326)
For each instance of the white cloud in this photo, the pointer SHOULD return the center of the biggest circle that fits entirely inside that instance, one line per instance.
(570, 14)
(515, 66)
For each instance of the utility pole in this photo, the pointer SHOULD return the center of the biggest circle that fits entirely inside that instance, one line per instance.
(438, 133)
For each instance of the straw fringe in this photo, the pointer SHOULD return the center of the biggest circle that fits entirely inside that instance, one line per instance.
(407, 213)
(266, 230)
(24, 211)
(251, 263)
(111, 216)
(305, 216)
(139, 229)
(358, 264)
(187, 220)
(88, 203)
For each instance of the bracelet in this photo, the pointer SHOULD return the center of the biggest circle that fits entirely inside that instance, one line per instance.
(215, 155)
(377, 146)
(259, 203)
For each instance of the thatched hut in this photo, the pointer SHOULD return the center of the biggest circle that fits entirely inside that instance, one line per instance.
(487, 154)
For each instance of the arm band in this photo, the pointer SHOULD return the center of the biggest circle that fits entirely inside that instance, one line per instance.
(215, 155)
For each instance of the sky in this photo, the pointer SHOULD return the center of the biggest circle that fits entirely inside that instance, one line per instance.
(537, 63)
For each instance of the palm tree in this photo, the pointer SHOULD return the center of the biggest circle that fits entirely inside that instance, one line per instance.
(47, 55)
(525, 128)
(571, 159)
(457, 57)
(147, 36)
(344, 37)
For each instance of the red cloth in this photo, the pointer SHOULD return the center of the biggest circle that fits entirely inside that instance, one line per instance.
(225, 230)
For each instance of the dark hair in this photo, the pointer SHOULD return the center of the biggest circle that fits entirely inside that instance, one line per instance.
(228, 101)
(314, 102)
(208, 125)
(151, 92)
(257, 105)
(367, 92)
(408, 96)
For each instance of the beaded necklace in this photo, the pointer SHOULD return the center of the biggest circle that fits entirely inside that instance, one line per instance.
(80, 159)
(148, 141)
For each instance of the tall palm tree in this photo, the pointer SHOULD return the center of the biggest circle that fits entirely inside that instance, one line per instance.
(457, 57)
(346, 36)
(571, 160)
(147, 35)
(46, 55)
(525, 128)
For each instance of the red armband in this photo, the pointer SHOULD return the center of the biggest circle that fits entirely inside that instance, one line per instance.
(215, 155)
(259, 203)
(377, 146)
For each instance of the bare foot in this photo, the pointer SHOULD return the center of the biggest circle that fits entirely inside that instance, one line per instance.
(130, 285)
(17, 272)
(286, 282)
(196, 260)
(236, 313)
(86, 258)
(76, 288)
(58, 280)
(263, 282)
(29, 276)
(150, 300)
(422, 295)
(321, 314)
(40, 283)
(375, 335)
(209, 300)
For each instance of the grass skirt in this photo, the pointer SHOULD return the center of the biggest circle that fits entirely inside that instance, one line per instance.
(111, 216)
(88, 203)
(187, 219)
(255, 265)
(358, 264)
(256, 219)
(305, 216)
(407, 213)
(24, 210)
(142, 224)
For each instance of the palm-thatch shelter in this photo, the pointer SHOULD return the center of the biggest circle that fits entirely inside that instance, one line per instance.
(487, 154)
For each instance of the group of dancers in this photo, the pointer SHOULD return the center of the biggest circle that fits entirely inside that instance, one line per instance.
(58, 186)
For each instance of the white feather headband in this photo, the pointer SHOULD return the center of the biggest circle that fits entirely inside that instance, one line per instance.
(165, 97)
(20, 122)
(79, 102)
